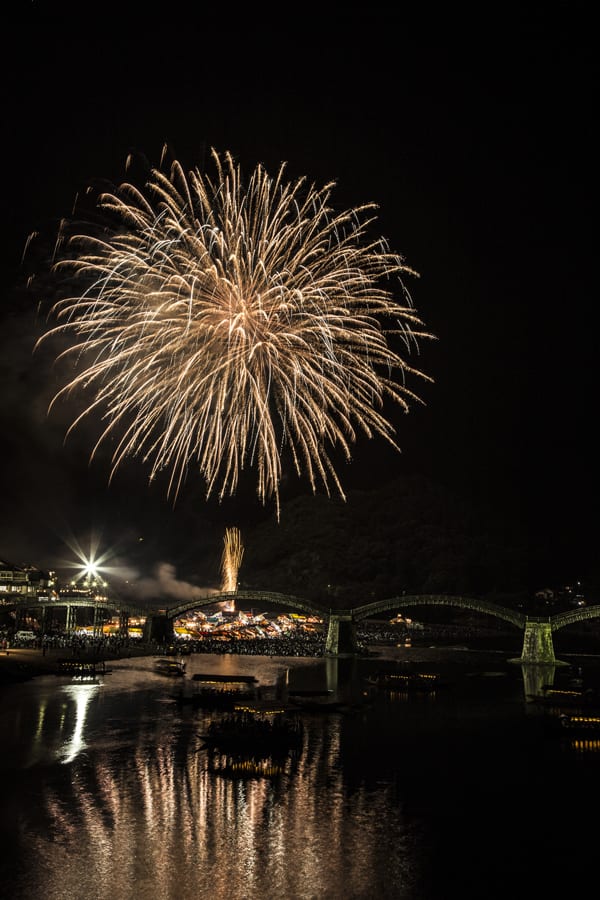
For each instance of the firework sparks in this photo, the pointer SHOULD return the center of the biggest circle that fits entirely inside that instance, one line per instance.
(218, 325)
(231, 560)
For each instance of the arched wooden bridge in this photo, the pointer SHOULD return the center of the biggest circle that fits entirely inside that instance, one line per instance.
(538, 647)
(341, 640)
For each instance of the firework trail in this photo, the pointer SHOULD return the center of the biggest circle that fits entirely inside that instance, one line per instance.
(218, 324)
(231, 560)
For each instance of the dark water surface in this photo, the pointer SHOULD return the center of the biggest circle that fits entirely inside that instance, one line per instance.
(109, 792)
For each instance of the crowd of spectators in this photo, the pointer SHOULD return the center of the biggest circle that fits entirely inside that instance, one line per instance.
(296, 642)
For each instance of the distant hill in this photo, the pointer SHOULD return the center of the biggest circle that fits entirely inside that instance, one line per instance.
(410, 535)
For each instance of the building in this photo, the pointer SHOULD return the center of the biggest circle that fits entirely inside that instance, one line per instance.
(25, 583)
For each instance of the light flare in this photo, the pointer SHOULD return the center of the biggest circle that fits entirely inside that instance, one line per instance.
(92, 566)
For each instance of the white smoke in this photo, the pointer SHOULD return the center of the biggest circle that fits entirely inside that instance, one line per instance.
(165, 584)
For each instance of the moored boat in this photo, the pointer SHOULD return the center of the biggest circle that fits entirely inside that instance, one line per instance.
(210, 691)
(315, 701)
(565, 697)
(408, 681)
(82, 668)
(246, 767)
(573, 724)
(260, 728)
(171, 667)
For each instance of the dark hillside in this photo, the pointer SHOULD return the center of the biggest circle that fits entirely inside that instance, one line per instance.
(410, 536)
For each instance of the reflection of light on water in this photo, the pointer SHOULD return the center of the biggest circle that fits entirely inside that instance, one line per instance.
(37, 736)
(535, 678)
(586, 745)
(146, 815)
(411, 696)
(81, 693)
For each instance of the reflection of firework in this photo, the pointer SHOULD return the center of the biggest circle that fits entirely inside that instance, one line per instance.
(231, 560)
(218, 324)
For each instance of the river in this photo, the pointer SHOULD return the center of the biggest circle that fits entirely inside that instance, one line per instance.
(109, 792)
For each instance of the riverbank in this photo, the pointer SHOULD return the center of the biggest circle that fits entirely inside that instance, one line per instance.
(21, 664)
(24, 663)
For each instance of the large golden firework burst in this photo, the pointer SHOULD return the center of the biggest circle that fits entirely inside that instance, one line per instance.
(217, 324)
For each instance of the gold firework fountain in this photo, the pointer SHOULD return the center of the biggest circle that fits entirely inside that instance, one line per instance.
(231, 560)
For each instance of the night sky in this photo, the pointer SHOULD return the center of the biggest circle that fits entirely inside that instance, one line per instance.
(476, 136)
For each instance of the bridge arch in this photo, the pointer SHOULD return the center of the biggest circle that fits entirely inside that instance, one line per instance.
(287, 600)
(342, 622)
(581, 614)
(405, 601)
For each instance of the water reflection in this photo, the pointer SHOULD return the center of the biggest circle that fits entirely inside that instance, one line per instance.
(81, 693)
(125, 800)
(56, 731)
(535, 678)
(170, 828)
(115, 795)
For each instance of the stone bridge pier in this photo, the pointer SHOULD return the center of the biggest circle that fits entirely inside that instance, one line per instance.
(538, 648)
(158, 628)
(341, 635)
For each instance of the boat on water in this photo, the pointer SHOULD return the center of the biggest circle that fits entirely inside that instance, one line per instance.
(81, 669)
(577, 724)
(315, 701)
(257, 728)
(566, 697)
(212, 678)
(246, 767)
(408, 681)
(209, 691)
(171, 667)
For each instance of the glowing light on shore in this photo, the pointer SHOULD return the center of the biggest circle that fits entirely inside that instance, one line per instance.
(219, 324)
(90, 571)
(93, 566)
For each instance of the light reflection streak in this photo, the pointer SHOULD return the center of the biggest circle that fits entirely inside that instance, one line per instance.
(82, 693)
(171, 828)
(39, 731)
(586, 745)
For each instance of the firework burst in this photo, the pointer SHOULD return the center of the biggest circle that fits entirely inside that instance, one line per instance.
(217, 324)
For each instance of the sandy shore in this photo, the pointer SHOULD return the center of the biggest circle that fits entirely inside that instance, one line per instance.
(22, 664)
